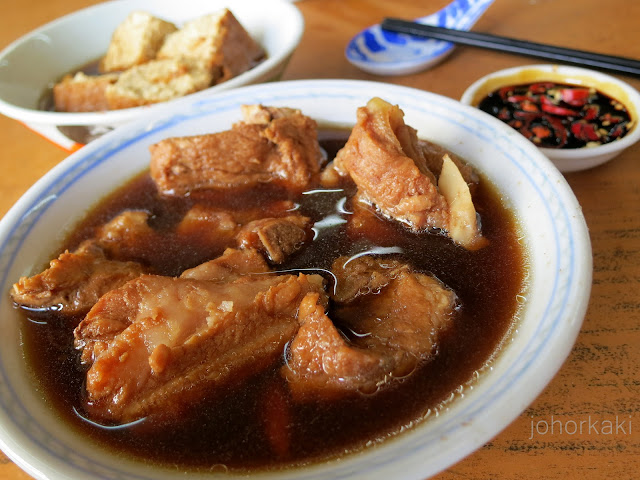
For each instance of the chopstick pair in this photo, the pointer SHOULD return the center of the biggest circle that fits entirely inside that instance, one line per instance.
(512, 45)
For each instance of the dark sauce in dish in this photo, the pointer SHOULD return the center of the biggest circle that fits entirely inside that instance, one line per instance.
(554, 115)
(228, 432)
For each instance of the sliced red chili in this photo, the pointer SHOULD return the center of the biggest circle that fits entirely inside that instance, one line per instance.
(540, 87)
(520, 98)
(528, 116)
(591, 113)
(559, 130)
(504, 92)
(529, 107)
(546, 100)
(576, 97)
(541, 131)
(526, 131)
(591, 132)
(558, 110)
(585, 131)
(504, 114)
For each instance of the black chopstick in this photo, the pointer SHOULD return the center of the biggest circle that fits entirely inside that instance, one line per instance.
(512, 45)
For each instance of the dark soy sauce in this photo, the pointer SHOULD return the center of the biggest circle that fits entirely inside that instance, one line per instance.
(554, 115)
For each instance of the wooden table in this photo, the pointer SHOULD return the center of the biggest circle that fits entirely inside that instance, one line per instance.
(599, 383)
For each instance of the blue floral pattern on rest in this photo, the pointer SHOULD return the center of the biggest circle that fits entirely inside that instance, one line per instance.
(376, 46)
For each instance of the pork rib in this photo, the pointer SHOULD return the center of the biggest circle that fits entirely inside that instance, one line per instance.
(183, 339)
(396, 316)
(271, 146)
(391, 168)
(74, 281)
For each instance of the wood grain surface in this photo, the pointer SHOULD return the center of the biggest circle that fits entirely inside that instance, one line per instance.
(591, 409)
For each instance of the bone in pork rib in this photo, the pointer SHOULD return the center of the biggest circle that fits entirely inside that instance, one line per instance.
(92, 337)
(184, 338)
(390, 166)
(383, 158)
(74, 281)
(272, 145)
(396, 315)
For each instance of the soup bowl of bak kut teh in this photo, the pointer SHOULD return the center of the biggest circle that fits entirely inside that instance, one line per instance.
(310, 279)
(83, 74)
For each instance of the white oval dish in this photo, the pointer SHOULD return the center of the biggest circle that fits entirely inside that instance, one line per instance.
(554, 235)
(567, 160)
(32, 63)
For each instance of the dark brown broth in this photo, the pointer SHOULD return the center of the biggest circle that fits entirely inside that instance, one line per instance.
(229, 429)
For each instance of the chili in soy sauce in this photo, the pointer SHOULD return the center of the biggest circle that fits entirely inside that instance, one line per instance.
(554, 115)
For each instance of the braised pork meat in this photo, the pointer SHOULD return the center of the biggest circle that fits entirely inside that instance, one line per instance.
(390, 166)
(363, 275)
(74, 281)
(91, 337)
(229, 265)
(158, 344)
(271, 146)
(213, 225)
(395, 317)
(118, 251)
(127, 234)
(277, 237)
(399, 308)
(322, 362)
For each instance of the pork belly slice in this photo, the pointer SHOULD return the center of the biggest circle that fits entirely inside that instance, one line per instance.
(184, 339)
(272, 145)
(392, 322)
(74, 281)
(390, 166)
(278, 238)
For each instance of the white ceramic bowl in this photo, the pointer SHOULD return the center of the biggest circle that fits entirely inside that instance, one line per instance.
(554, 235)
(34, 62)
(567, 160)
